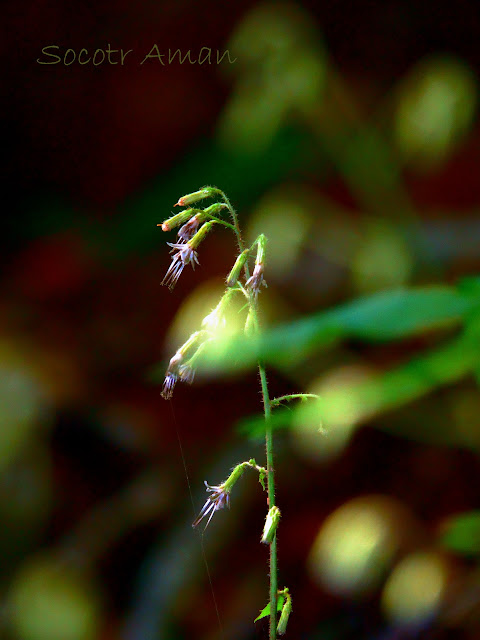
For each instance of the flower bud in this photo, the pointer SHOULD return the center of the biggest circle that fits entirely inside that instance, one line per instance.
(216, 319)
(261, 246)
(256, 280)
(188, 344)
(237, 267)
(200, 235)
(177, 219)
(284, 616)
(215, 209)
(271, 524)
(190, 228)
(196, 196)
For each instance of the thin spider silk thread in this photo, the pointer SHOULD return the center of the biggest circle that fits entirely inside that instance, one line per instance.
(204, 555)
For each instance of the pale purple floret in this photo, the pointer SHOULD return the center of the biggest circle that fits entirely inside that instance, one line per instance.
(186, 373)
(169, 384)
(216, 501)
(188, 230)
(256, 280)
(185, 255)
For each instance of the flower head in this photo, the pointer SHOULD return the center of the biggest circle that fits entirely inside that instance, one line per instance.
(219, 498)
(169, 384)
(256, 280)
(178, 368)
(186, 373)
(185, 255)
(189, 229)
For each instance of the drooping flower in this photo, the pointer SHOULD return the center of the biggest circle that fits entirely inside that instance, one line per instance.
(219, 498)
(184, 255)
(168, 385)
(221, 492)
(189, 229)
(256, 280)
(186, 373)
(177, 367)
(216, 320)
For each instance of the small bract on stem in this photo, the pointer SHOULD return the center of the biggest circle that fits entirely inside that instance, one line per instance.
(194, 225)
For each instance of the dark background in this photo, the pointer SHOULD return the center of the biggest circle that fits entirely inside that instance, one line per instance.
(302, 133)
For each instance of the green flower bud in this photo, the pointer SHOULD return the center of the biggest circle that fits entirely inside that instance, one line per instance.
(286, 611)
(196, 196)
(215, 209)
(271, 524)
(177, 219)
(200, 235)
(237, 267)
(236, 474)
(261, 246)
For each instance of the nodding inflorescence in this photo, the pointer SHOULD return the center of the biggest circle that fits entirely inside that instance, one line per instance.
(194, 224)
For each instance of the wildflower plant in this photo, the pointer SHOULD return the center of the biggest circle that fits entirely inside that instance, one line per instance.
(195, 223)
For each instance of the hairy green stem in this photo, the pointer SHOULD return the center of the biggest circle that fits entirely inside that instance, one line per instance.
(267, 407)
(225, 224)
(271, 499)
(293, 396)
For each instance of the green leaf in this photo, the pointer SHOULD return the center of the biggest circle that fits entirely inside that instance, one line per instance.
(266, 611)
(383, 316)
(254, 426)
(462, 534)
(395, 388)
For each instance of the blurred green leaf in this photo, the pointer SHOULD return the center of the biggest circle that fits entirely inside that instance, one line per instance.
(266, 611)
(395, 388)
(254, 426)
(383, 316)
(462, 534)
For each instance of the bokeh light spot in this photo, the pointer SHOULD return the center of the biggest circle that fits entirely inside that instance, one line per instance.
(285, 220)
(50, 600)
(354, 546)
(322, 429)
(414, 590)
(435, 107)
(382, 259)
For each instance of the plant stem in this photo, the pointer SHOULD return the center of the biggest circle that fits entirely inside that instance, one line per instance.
(225, 224)
(267, 407)
(271, 499)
